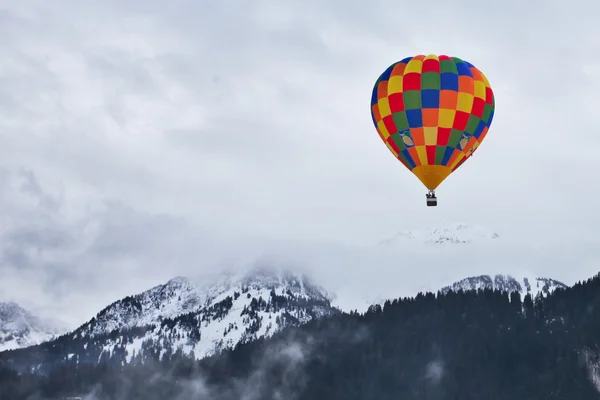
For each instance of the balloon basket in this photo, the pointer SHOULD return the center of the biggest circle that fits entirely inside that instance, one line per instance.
(431, 199)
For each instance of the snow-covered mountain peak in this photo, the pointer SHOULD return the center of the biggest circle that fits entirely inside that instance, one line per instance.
(532, 284)
(178, 281)
(207, 315)
(458, 233)
(20, 328)
(299, 284)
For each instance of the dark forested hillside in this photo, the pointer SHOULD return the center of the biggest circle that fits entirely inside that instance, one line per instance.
(485, 345)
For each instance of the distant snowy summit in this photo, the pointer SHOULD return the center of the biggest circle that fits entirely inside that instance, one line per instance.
(536, 286)
(451, 233)
(20, 328)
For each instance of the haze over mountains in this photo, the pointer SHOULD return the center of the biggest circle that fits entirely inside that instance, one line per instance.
(371, 272)
(202, 317)
(243, 305)
(218, 320)
(393, 252)
(140, 336)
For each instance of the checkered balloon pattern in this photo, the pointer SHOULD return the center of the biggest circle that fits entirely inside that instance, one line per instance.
(432, 112)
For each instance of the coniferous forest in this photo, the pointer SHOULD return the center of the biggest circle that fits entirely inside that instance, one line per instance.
(485, 345)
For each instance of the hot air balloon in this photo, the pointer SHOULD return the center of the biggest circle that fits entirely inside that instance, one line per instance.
(432, 112)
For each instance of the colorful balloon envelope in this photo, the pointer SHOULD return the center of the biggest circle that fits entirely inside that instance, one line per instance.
(432, 112)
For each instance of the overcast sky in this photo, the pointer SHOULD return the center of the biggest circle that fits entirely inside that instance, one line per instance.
(146, 139)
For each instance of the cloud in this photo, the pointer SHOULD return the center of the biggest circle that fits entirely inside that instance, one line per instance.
(588, 358)
(141, 140)
(434, 371)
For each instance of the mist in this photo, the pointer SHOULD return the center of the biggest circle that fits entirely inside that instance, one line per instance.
(277, 371)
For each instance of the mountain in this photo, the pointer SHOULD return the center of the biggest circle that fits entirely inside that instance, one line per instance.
(180, 316)
(452, 345)
(536, 286)
(458, 233)
(20, 328)
(533, 285)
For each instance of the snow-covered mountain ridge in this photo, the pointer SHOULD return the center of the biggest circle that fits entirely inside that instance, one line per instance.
(20, 328)
(181, 296)
(533, 285)
(526, 284)
(204, 317)
(181, 317)
(240, 308)
(458, 233)
(221, 313)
